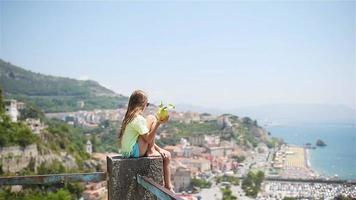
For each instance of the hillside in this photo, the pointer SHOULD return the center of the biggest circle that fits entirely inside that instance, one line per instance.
(56, 94)
(245, 132)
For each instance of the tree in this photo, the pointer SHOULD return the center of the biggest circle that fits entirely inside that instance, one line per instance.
(227, 193)
(239, 159)
(61, 194)
(2, 107)
(201, 183)
(31, 112)
(231, 179)
(252, 183)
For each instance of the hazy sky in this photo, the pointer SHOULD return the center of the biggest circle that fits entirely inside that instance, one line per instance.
(213, 54)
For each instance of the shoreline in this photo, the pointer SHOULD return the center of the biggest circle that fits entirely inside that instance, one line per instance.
(306, 156)
(309, 166)
(297, 164)
(336, 161)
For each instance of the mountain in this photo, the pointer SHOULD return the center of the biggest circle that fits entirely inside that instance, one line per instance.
(56, 94)
(200, 109)
(300, 113)
(286, 113)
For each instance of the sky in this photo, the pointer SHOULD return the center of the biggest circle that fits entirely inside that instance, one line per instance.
(212, 54)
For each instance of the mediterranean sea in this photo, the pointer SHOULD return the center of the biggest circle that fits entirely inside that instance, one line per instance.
(337, 158)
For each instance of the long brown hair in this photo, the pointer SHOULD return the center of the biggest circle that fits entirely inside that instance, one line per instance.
(137, 102)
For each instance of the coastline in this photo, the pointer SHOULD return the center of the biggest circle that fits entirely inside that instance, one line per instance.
(338, 158)
(306, 156)
(309, 166)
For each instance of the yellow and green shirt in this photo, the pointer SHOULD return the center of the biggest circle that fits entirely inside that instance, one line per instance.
(137, 127)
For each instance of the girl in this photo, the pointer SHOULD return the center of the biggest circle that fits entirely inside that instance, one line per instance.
(137, 134)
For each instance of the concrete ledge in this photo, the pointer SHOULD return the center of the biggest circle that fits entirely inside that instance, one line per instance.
(122, 173)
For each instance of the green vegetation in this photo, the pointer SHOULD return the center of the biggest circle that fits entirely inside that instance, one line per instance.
(231, 179)
(289, 198)
(227, 193)
(31, 111)
(61, 194)
(56, 94)
(14, 133)
(2, 106)
(181, 129)
(252, 183)
(59, 136)
(67, 191)
(63, 137)
(273, 142)
(56, 167)
(187, 129)
(201, 183)
(70, 103)
(244, 131)
(239, 159)
(16, 80)
(104, 138)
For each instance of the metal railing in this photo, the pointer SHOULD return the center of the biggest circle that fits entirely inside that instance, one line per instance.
(159, 191)
(53, 178)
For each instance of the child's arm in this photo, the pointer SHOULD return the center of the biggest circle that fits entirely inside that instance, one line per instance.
(149, 137)
(153, 123)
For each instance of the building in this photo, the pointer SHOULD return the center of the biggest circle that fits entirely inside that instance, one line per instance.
(201, 164)
(216, 151)
(182, 179)
(89, 147)
(187, 151)
(204, 140)
(21, 105)
(11, 109)
(197, 140)
(212, 140)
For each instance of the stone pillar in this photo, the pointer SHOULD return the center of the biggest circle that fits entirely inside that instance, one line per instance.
(122, 172)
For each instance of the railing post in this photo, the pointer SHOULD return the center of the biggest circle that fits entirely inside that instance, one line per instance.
(122, 177)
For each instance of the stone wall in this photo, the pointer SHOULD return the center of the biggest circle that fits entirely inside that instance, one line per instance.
(16, 158)
(122, 173)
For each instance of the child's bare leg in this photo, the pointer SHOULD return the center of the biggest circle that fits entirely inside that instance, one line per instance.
(166, 167)
(167, 172)
(151, 122)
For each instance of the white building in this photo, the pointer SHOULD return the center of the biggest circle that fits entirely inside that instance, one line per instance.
(89, 147)
(182, 179)
(11, 109)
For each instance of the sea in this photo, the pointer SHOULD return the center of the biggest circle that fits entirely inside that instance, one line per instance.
(337, 158)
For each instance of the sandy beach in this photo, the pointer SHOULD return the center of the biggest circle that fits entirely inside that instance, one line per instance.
(296, 157)
(294, 162)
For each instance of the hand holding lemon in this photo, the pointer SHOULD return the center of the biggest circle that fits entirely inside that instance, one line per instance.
(162, 114)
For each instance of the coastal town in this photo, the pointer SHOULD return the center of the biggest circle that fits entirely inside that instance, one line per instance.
(178, 100)
(205, 158)
(200, 160)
